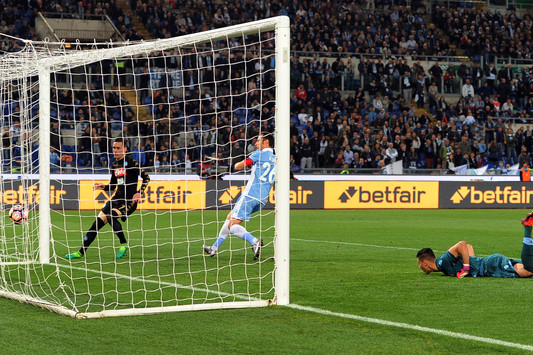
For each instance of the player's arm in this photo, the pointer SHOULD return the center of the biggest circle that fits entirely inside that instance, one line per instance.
(109, 187)
(146, 180)
(244, 163)
(136, 171)
(463, 250)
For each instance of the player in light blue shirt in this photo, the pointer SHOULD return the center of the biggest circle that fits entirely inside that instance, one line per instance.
(254, 196)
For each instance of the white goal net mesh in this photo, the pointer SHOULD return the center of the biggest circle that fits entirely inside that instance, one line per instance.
(188, 109)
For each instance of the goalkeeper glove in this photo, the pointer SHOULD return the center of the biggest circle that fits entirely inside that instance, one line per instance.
(464, 271)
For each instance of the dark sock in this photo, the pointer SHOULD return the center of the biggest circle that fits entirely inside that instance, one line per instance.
(527, 257)
(117, 228)
(527, 249)
(527, 231)
(91, 234)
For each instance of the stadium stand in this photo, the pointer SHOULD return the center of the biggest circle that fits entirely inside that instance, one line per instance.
(391, 83)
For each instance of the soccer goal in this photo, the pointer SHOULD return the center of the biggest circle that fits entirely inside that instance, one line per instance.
(188, 108)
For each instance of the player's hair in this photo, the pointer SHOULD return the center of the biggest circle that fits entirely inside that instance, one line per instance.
(425, 254)
(269, 137)
(121, 140)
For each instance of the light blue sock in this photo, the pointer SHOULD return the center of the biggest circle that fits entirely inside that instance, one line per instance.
(242, 233)
(218, 242)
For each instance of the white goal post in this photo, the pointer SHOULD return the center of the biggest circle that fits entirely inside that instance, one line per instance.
(165, 269)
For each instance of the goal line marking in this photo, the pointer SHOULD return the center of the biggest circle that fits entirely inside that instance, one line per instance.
(447, 333)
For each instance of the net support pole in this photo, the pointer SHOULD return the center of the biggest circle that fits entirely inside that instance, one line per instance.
(44, 166)
(282, 140)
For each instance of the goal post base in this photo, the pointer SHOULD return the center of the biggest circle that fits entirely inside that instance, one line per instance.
(133, 311)
(173, 309)
(38, 303)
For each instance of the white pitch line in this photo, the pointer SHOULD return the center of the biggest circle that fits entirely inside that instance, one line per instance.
(414, 327)
(357, 244)
(369, 245)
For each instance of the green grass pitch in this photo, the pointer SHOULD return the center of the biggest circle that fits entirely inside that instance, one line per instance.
(353, 263)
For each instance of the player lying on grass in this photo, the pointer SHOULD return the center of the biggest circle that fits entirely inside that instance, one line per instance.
(123, 202)
(254, 196)
(460, 260)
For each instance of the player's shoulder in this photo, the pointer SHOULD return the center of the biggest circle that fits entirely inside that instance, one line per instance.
(267, 152)
(131, 162)
(448, 256)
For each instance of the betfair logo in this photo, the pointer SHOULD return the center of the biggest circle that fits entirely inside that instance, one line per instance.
(381, 194)
(498, 195)
(158, 195)
(460, 194)
(30, 195)
(387, 195)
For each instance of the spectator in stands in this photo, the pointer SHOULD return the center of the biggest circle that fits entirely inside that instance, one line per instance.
(330, 154)
(391, 152)
(407, 87)
(467, 90)
(501, 168)
(525, 172)
(524, 157)
(493, 153)
(139, 155)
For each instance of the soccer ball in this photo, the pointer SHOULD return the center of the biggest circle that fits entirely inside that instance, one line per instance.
(18, 214)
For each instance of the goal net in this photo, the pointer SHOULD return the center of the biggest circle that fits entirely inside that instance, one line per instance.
(188, 109)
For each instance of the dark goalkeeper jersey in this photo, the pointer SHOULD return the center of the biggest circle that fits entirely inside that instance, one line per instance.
(495, 265)
(125, 178)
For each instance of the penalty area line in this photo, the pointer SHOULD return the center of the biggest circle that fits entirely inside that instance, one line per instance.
(447, 333)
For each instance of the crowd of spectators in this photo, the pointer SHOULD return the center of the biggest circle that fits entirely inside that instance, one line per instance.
(394, 108)
(485, 34)
(17, 18)
(391, 27)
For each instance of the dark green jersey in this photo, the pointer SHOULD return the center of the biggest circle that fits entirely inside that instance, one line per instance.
(451, 265)
(495, 265)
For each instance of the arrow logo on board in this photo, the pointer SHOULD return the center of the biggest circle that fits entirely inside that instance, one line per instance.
(351, 191)
(230, 194)
(348, 194)
(102, 196)
(460, 194)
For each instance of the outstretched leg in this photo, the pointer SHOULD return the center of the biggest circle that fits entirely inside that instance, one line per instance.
(89, 237)
(527, 246)
(222, 235)
(242, 211)
(242, 233)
